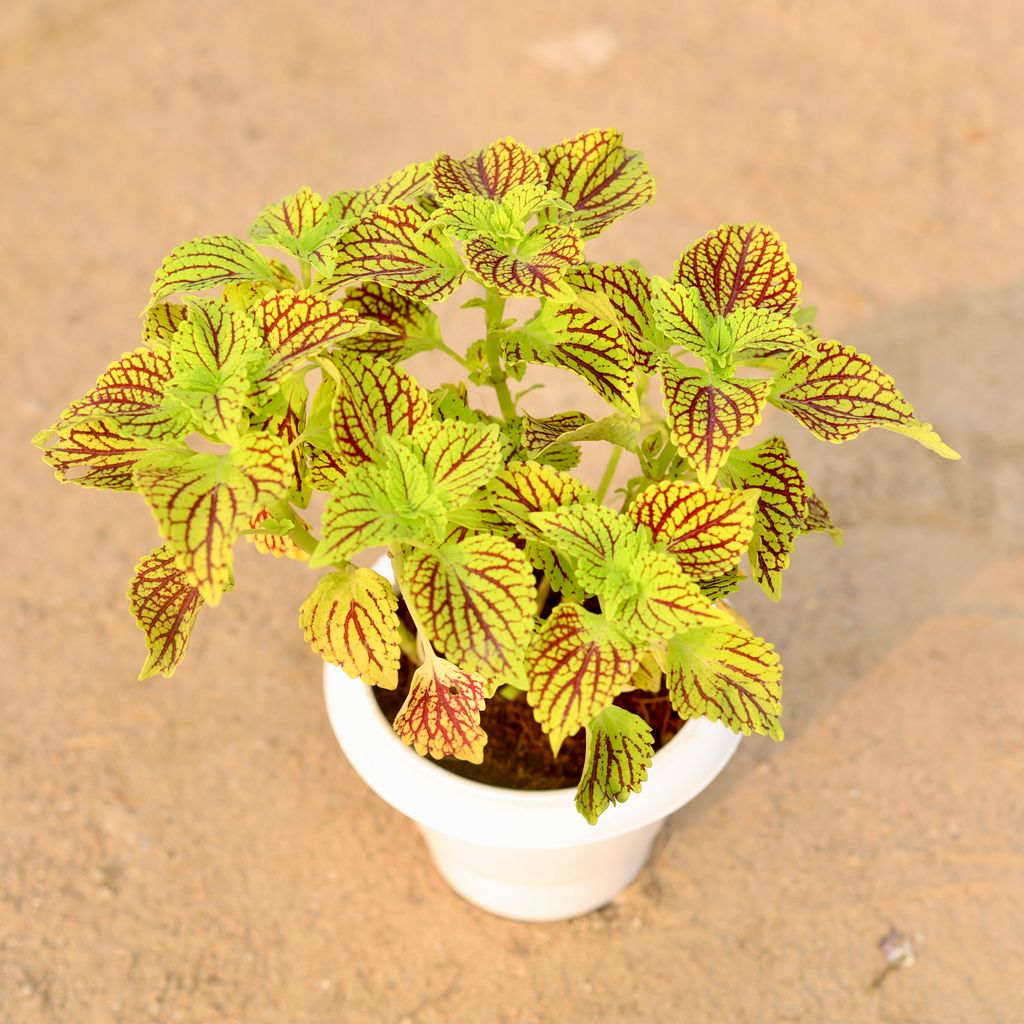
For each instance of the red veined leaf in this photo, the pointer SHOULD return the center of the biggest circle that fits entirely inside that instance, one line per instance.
(537, 434)
(740, 265)
(278, 545)
(620, 749)
(94, 453)
(535, 268)
(489, 173)
(411, 324)
(401, 187)
(160, 324)
(207, 262)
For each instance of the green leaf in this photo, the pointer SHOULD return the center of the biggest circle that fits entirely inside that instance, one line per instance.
(441, 714)
(160, 324)
(207, 262)
(708, 415)
(165, 604)
(401, 187)
(270, 536)
(720, 587)
(837, 393)
(395, 245)
(503, 220)
(725, 673)
(538, 434)
(409, 325)
(490, 173)
(462, 457)
(94, 453)
(576, 340)
(475, 599)
(576, 664)
(536, 267)
(620, 749)
(202, 502)
(350, 619)
(617, 429)
(704, 528)
(819, 520)
(599, 178)
(373, 398)
(740, 265)
(287, 421)
(299, 223)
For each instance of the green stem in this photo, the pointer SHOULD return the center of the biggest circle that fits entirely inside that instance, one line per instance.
(494, 311)
(609, 473)
(298, 533)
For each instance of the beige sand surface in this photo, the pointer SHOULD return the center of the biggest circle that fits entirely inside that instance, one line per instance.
(198, 851)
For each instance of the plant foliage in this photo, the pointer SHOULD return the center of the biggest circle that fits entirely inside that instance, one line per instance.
(287, 377)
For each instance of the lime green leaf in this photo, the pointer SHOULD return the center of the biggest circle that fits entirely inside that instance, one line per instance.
(360, 514)
(401, 187)
(599, 178)
(628, 291)
(476, 601)
(461, 456)
(620, 749)
(165, 604)
(681, 315)
(781, 507)
(160, 324)
(94, 453)
(409, 325)
(720, 587)
(489, 173)
(538, 434)
(202, 502)
(298, 223)
(838, 393)
(576, 664)
(724, 673)
(374, 397)
(132, 393)
(740, 265)
(350, 619)
(326, 468)
(441, 714)
(569, 336)
(504, 220)
(819, 520)
(280, 545)
(287, 420)
(396, 246)
(208, 262)
(535, 268)
(297, 326)
(708, 415)
(617, 429)
(763, 334)
(706, 529)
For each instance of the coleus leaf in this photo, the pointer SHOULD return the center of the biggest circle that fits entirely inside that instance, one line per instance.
(489, 173)
(620, 749)
(536, 267)
(740, 265)
(503, 220)
(402, 186)
(287, 420)
(280, 545)
(441, 714)
(573, 338)
(208, 262)
(373, 397)
(93, 453)
(576, 664)
(202, 502)
(837, 393)
(461, 457)
(410, 325)
(298, 326)
(708, 415)
(818, 518)
(617, 429)
(725, 673)
(165, 604)
(300, 223)
(396, 246)
(538, 434)
(599, 178)
(475, 599)
(781, 507)
(350, 619)
(706, 529)
(160, 323)
(720, 587)
(132, 393)
(629, 293)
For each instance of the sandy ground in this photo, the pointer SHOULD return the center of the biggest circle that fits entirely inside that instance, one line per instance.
(198, 850)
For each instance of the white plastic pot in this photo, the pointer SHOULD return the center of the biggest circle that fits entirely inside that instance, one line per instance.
(524, 855)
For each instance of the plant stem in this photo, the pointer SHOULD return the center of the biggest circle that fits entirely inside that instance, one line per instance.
(298, 533)
(609, 473)
(494, 310)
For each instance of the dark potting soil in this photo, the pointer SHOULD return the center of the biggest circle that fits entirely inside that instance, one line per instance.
(518, 754)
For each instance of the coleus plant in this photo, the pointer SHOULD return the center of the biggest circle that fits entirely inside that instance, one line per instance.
(516, 577)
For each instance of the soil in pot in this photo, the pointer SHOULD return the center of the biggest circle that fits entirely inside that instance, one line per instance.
(518, 755)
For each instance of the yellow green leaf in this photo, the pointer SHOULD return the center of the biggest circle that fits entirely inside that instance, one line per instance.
(620, 749)
(208, 262)
(395, 245)
(441, 714)
(401, 187)
(740, 265)
(280, 545)
(299, 217)
(540, 433)
(489, 173)
(165, 604)
(599, 178)
(536, 267)
(837, 393)
(720, 587)
(725, 673)
(202, 502)
(409, 326)
(461, 457)
(818, 518)
(351, 619)
(706, 529)
(160, 323)
(576, 664)
(475, 599)
(708, 415)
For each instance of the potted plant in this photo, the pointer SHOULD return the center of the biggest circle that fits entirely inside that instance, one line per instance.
(513, 599)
